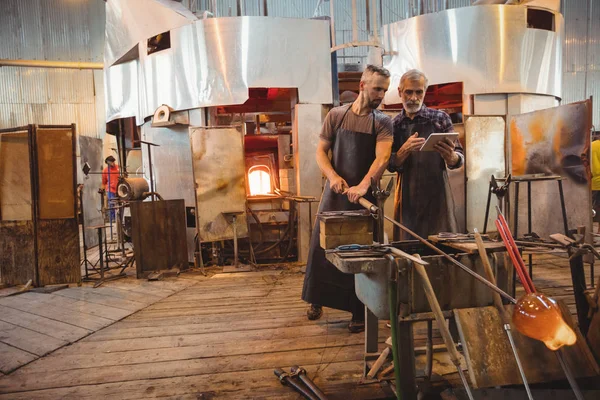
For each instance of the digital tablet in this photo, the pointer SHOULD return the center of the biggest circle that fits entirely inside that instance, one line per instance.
(436, 138)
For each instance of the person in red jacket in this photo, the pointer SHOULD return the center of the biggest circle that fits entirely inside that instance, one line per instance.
(110, 179)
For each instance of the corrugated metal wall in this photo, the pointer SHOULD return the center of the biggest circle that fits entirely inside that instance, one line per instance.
(55, 30)
(582, 53)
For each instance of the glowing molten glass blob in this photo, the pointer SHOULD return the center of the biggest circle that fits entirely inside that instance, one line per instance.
(538, 317)
(259, 180)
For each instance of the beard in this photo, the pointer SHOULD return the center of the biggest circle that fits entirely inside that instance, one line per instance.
(373, 104)
(412, 107)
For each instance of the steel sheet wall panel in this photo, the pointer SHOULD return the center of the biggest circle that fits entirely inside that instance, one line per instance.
(576, 28)
(14, 115)
(594, 38)
(41, 113)
(10, 30)
(295, 9)
(10, 86)
(573, 87)
(593, 89)
(34, 85)
(86, 119)
(31, 43)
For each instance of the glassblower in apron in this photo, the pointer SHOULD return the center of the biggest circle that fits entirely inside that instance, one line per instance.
(423, 200)
(360, 139)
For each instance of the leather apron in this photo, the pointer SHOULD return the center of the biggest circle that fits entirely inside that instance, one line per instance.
(353, 153)
(423, 201)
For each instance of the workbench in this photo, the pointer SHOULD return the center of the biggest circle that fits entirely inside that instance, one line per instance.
(453, 288)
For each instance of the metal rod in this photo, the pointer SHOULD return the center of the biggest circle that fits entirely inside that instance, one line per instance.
(487, 208)
(529, 225)
(563, 208)
(516, 229)
(569, 375)
(51, 64)
(442, 327)
(518, 360)
(500, 307)
(235, 242)
(100, 248)
(393, 301)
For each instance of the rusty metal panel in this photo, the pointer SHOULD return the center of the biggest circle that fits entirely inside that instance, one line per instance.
(484, 140)
(15, 178)
(553, 141)
(54, 153)
(220, 178)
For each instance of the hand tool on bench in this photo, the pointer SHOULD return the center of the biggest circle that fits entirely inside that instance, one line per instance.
(443, 328)
(383, 247)
(501, 310)
(374, 209)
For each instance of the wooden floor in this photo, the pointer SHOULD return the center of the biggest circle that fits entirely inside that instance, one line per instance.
(33, 324)
(222, 337)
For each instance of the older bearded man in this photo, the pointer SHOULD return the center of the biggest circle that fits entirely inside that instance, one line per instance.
(424, 201)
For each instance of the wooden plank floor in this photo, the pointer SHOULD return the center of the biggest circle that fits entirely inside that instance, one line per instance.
(35, 324)
(221, 337)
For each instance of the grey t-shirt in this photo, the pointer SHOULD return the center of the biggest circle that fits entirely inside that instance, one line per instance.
(357, 123)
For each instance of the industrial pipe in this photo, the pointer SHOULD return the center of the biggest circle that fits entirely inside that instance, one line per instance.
(51, 64)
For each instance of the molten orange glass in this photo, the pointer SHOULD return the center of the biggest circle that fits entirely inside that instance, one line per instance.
(538, 317)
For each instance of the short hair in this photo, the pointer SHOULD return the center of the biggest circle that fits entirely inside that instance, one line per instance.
(371, 70)
(109, 158)
(413, 75)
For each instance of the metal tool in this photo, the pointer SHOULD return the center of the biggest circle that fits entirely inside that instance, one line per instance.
(288, 380)
(301, 374)
(443, 328)
(370, 206)
(499, 191)
(385, 248)
(380, 196)
(501, 310)
(572, 382)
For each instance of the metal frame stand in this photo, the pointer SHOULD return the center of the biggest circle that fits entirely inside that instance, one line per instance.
(235, 267)
(85, 262)
(528, 180)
